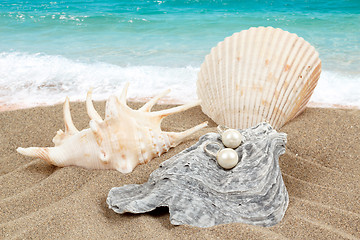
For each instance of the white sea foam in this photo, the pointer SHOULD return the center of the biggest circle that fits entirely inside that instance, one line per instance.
(337, 88)
(37, 79)
(41, 79)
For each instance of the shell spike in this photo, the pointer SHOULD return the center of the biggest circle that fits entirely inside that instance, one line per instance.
(167, 112)
(147, 107)
(112, 108)
(124, 93)
(93, 114)
(42, 153)
(177, 137)
(69, 125)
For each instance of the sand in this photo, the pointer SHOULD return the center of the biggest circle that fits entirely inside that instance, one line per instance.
(321, 170)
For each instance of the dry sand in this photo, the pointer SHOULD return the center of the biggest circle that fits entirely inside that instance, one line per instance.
(321, 170)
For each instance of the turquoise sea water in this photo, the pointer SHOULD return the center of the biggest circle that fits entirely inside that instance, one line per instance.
(50, 49)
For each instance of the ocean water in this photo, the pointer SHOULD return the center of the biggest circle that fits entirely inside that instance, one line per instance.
(53, 49)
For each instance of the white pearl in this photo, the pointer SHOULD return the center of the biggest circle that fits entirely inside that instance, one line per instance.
(232, 138)
(227, 158)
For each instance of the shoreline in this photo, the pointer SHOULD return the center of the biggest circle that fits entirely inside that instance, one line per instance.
(4, 107)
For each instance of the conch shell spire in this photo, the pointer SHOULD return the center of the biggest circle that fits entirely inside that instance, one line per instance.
(124, 93)
(69, 125)
(90, 108)
(46, 153)
(147, 106)
(123, 140)
(42, 153)
(177, 137)
(170, 111)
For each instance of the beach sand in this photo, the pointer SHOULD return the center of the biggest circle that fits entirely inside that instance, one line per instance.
(321, 170)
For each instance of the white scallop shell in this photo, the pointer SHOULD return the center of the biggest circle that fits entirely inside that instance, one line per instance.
(258, 74)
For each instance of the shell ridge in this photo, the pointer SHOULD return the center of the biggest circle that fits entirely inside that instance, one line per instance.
(248, 54)
(277, 37)
(274, 36)
(204, 77)
(269, 31)
(283, 77)
(227, 62)
(240, 49)
(201, 91)
(288, 96)
(274, 108)
(222, 80)
(234, 66)
(262, 77)
(231, 48)
(215, 79)
(239, 97)
(238, 102)
(239, 40)
(292, 96)
(316, 77)
(240, 82)
(257, 58)
(309, 86)
(301, 83)
(257, 81)
(243, 79)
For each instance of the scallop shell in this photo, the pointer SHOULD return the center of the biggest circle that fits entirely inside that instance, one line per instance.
(259, 74)
(123, 140)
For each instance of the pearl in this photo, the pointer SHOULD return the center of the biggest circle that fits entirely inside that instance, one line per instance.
(232, 138)
(227, 158)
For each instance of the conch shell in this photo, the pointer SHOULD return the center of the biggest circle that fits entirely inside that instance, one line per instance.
(123, 140)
